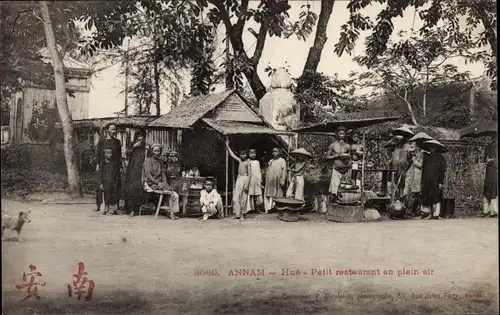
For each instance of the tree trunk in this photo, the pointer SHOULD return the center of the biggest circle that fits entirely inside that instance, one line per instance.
(229, 66)
(410, 109)
(314, 56)
(424, 97)
(250, 70)
(424, 102)
(62, 104)
(157, 87)
(258, 88)
(472, 102)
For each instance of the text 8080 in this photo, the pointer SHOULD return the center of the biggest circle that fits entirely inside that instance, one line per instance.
(206, 272)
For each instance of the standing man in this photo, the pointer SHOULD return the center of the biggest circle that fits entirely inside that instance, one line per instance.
(108, 140)
(340, 152)
(490, 190)
(433, 178)
(275, 179)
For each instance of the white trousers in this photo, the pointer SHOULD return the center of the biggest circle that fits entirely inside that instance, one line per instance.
(296, 188)
(490, 206)
(268, 203)
(435, 207)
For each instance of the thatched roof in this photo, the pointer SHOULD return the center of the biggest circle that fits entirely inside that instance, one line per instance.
(237, 127)
(191, 110)
(129, 121)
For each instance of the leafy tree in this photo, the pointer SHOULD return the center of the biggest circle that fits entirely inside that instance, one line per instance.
(448, 12)
(325, 97)
(410, 64)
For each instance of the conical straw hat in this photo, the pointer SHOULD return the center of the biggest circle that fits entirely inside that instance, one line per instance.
(403, 131)
(421, 136)
(434, 143)
(301, 151)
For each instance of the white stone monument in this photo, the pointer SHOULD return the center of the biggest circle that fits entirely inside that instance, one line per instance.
(278, 105)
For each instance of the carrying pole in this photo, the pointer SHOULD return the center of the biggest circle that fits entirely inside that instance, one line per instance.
(227, 179)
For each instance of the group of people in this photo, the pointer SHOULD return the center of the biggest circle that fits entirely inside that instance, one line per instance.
(143, 174)
(417, 159)
(421, 173)
(146, 175)
(249, 193)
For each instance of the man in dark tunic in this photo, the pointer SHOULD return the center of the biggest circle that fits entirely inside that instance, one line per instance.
(154, 178)
(490, 190)
(133, 190)
(108, 140)
(433, 176)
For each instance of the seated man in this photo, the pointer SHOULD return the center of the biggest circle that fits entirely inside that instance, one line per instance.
(154, 178)
(210, 200)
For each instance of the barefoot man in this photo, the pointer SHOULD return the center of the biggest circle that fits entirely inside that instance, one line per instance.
(339, 151)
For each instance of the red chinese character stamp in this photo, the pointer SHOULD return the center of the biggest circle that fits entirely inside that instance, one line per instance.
(32, 285)
(78, 287)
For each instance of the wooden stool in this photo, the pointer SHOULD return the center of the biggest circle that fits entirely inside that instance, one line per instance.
(163, 193)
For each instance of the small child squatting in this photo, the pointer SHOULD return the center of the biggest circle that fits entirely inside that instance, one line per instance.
(210, 200)
(15, 223)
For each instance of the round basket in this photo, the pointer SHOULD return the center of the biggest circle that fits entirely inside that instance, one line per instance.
(349, 197)
(288, 204)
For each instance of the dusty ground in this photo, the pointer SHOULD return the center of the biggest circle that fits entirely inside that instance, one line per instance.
(146, 266)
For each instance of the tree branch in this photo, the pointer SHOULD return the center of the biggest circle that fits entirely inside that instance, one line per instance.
(67, 44)
(238, 27)
(259, 47)
(225, 19)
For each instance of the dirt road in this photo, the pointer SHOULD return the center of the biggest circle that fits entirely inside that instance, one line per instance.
(146, 266)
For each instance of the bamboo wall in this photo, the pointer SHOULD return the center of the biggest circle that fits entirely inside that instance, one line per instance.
(168, 139)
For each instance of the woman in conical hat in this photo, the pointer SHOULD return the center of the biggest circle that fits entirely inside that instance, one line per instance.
(403, 131)
(297, 183)
(413, 180)
(433, 176)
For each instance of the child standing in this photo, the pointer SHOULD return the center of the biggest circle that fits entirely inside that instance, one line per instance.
(254, 182)
(210, 200)
(275, 179)
(296, 187)
(108, 180)
(240, 190)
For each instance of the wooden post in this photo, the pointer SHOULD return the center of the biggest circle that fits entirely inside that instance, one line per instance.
(363, 173)
(227, 178)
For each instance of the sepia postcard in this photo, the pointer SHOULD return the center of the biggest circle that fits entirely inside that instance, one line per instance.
(176, 157)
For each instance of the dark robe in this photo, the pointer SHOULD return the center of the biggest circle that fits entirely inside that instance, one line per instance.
(108, 177)
(133, 190)
(433, 174)
(490, 190)
(116, 146)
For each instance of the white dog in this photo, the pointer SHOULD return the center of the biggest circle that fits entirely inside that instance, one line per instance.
(15, 223)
